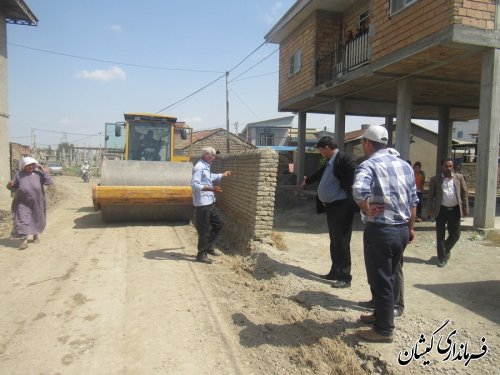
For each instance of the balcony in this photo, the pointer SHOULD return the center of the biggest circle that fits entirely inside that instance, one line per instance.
(344, 58)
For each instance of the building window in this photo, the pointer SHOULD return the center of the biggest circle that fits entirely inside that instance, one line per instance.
(266, 139)
(397, 5)
(363, 22)
(460, 134)
(294, 63)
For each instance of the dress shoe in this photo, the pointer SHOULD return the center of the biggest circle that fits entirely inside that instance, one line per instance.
(398, 312)
(204, 259)
(340, 284)
(213, 252)
(442, 263)
(367, 319)
(372, 336)
(367, 304)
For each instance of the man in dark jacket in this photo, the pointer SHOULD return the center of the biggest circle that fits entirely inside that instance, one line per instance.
(334, 191)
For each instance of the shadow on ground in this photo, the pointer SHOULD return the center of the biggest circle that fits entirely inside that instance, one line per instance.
(480, 297)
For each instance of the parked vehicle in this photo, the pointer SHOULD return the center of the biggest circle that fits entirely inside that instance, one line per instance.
(55, 168)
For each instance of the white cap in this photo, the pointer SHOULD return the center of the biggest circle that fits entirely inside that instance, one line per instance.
(377, 133)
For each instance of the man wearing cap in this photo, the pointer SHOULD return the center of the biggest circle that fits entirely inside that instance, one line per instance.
(384, 188)
(449, 197)
(334, 190)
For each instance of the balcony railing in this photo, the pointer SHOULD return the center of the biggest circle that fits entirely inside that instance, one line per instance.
(342, 59)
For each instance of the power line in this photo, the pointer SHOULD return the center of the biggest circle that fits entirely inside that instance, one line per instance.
(261, 75)
(60, 132)
(250, 54)
(192, 94)
(241, 62)
(111, 61)
(253, 66)
(241, 100)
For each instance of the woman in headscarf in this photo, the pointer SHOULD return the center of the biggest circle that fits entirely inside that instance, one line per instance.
(28, 205)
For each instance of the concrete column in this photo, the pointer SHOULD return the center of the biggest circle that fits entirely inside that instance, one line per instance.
(403, 117)
(4, 116)
(301, 148)
(340, 124)
(389, 124)
(489, 124)
(444, 137)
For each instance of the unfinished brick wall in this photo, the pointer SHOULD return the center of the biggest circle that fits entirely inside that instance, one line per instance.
(247, 200)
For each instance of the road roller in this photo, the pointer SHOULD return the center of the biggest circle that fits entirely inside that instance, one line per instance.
(153, 180)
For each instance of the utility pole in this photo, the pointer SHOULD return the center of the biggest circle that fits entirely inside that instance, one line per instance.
(227, 114)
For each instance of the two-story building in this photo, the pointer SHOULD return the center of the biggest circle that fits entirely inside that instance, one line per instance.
(403, 59)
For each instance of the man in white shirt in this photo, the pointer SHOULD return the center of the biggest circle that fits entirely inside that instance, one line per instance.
(207, 220)
(448, 202)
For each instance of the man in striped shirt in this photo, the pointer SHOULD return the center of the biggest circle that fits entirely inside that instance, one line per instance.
(384, 189)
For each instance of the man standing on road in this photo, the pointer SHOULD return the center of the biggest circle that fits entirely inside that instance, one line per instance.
(334, 190)
(207, 219)
(384, 188)
(450, 199)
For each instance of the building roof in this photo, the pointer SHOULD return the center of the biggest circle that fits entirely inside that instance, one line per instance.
(274, 122)
(299, 12)
(16, 11)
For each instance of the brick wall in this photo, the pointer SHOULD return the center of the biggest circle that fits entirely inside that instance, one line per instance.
(417, 21)
(219, 142)
(303, 38)
(247, 200)
(475, 13)
(469, 170)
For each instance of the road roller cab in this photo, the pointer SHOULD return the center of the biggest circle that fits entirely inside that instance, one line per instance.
(153, 182)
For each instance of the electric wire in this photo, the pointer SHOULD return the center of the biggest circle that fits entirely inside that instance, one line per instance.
(192, 94)
(113, 62)
(243, 102)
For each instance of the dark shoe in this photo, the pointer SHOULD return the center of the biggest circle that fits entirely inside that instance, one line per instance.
(367, 304)
(341, 284)
(442, 263)
(448, 255)
(398, 312)
(203, 258)
(329, 276)
(372, 336)
(213, 252)
(367, 319)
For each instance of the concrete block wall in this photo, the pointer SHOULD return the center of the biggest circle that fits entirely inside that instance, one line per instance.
(247, 200)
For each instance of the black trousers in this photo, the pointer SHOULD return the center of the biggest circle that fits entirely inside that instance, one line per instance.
(420, 196)
(383, 249)
(448, 216)
(339, 216)
(208, 225)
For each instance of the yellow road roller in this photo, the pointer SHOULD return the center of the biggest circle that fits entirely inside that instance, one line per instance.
(153, 181)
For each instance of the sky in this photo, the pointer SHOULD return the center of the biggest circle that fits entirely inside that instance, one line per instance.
(88, 62)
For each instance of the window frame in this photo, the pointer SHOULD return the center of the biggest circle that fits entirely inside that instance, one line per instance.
(405, 4)
(294, 62)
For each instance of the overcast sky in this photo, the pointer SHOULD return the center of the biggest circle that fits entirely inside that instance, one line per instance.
(88, 62)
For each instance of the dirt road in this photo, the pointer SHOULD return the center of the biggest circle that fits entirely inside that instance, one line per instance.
(129, 299)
